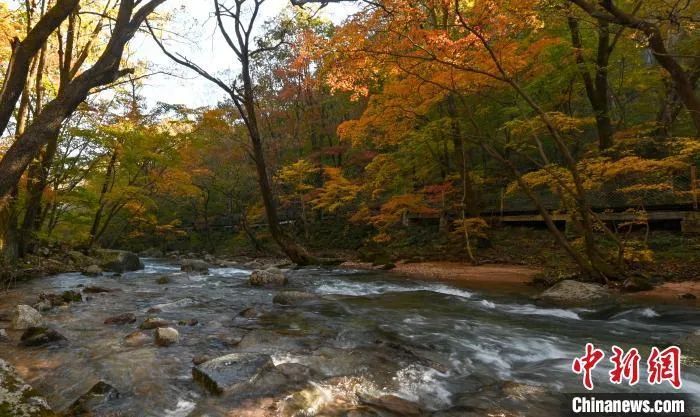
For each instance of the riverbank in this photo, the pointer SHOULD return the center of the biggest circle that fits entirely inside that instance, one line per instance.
(512, 279)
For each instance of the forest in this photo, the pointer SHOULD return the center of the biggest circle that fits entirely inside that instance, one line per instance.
(438, 114)
(477, 140)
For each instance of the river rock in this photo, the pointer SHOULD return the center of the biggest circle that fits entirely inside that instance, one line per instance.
(3, 336)
(270, 277)
(99, 394)
(118, 261)
(58, 300)
(569, 293)
(230, 372)
(394, 404)
(24, 317)
(81, 260)
(136, 339)
(166, 336)
(194, 265)
(40, 336)
(153, 323)
(292, 297)
(121, 319)
(17, 398)
(92, 271)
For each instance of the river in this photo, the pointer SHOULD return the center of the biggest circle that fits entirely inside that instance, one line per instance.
(441, 346)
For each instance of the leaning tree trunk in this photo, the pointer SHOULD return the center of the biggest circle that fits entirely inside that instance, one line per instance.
(47, 124)
(24, 51)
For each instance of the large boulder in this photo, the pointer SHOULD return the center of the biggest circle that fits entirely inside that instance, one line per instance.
(118, 260)
(166, 336)
(17, 398)
(569, 293)
(227, 373)
(24, 317)
(80, 260)
(270, 277)
(194, 265)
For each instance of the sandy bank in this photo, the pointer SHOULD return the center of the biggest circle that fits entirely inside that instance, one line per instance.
(456, 271)
(516, 278)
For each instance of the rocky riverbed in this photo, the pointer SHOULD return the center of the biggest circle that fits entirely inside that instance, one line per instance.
(203, 340)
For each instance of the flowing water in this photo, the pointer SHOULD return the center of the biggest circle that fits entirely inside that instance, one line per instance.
(438, 345)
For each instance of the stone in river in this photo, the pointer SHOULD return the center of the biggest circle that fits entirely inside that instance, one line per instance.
(92, 271)
(99, 394)
(118, 261)
(40, 336)
(24, 317)
(194, 265)
(166, 336)
(270, 277)
(230, 372)
(569, 293)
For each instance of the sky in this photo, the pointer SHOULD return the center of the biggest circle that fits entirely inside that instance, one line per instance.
(192, 18)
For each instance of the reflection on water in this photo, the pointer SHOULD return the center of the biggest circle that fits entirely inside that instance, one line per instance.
(434, 344)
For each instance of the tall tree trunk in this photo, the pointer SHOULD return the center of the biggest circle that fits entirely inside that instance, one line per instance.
(470, 204)
(596, 87)
(103, 194)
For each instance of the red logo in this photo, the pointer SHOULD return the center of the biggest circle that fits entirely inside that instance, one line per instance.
(587, 363)
(626, 366)
(662, 366)
(665, 366)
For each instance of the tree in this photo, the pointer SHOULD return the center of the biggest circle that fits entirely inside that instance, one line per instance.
(47, 124)
(652, 30)
(243, 96)
(22, 53)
